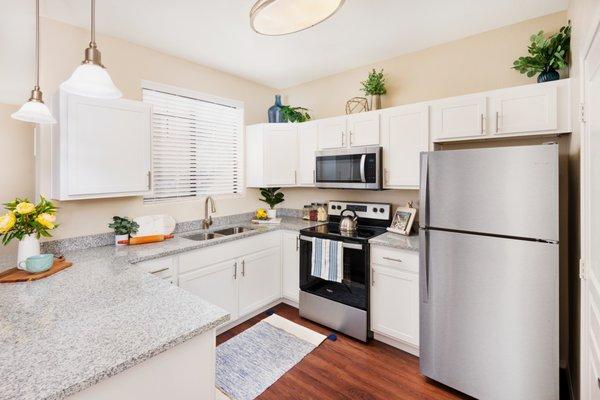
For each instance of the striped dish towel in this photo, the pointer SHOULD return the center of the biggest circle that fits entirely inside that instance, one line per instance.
(327, 259)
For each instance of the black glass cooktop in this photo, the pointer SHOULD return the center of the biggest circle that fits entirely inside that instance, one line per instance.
(332, 231)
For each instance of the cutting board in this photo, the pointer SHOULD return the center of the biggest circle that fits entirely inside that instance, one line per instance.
(155, 225)
(18, 275)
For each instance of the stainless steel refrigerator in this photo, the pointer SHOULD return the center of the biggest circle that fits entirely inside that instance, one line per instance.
(489, 287)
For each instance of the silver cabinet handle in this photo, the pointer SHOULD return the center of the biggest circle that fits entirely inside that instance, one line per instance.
(149, 180)
(372, 277)
(497, 124)
(295, 177)
(243, 267)
(482, 119)
(392, 259)
(235, 270)
(297, 243)
(343, 144)
(314, 176)
(350, 138)
(160, 270)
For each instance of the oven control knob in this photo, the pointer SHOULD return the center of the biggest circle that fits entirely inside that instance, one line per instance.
(339, 207)
(374, 209)
(381, 210)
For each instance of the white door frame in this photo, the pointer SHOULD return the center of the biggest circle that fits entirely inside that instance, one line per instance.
(593, 34)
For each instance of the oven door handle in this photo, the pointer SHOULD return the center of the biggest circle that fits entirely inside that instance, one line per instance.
(363, 160)
(354, 246)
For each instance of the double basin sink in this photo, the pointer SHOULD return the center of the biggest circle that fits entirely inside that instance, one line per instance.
(199, 237)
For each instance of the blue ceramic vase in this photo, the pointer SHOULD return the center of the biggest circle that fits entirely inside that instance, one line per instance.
(547, 76)
(274, 113)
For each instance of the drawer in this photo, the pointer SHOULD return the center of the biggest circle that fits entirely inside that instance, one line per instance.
(163, 268)
(396, 258)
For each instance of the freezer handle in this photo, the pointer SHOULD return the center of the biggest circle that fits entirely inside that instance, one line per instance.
(424, 191)
(424, 265)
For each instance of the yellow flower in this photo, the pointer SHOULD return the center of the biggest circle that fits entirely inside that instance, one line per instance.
(261, 213)
(7, 221)
(25, 208)
(46, 220)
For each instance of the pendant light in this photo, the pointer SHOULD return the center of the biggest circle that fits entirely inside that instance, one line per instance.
(280, 17)
(90, 78)
(35, 110)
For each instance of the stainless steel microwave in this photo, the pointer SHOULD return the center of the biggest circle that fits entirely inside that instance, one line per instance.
(354, 168)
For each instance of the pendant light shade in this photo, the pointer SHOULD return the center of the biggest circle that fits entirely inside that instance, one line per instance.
(35, 110)
(91, 78)
(280, 17)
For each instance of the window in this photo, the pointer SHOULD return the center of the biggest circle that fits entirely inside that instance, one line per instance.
(196, 143)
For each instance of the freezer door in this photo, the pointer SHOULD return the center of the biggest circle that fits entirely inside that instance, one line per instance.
(508, 191)
(489, 315)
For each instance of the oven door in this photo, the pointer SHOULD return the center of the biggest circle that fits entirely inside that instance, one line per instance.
(353, 291)
(356, 168)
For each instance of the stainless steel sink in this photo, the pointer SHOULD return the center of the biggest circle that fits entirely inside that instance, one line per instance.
(233, 231)
(199, 237)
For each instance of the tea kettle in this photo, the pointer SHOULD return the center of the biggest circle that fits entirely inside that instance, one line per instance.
(347, 223)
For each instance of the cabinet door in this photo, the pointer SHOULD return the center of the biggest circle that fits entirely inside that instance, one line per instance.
(281, 154)
(404, 134)
(108, 144)
(260, 280)
(458, 118)
(332, 133)
(363, 129)
(216, 284)
(307, 145)
(524, 109)
(395, 303)
(290, 266)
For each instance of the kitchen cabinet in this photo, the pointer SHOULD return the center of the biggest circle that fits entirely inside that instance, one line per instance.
(272, 155)
(395, 294)
(459, 117)
(363, 129)
(308, 141)
(217, 284)
(290, 266)
(332, 133)
(260, 282)
(404, 135)
(89, 152)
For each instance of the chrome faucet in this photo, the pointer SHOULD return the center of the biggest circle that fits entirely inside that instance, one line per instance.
(207, 221)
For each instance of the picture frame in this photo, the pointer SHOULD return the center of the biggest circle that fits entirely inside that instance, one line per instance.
(403, 220)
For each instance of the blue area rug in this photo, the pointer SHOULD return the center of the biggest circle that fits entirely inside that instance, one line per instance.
(250, 362)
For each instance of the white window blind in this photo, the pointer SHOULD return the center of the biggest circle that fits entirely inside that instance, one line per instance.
(196, 145)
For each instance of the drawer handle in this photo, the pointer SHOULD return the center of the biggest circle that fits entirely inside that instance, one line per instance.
(160, 270)
(392, 259)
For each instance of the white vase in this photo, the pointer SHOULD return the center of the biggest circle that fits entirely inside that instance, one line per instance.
(28, 246)
(119, 238)
(272, 213)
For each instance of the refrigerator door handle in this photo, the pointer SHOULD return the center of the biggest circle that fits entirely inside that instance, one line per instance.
(424, 190)
(424, 265)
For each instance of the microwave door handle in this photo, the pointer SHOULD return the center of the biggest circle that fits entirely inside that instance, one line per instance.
(363, 160)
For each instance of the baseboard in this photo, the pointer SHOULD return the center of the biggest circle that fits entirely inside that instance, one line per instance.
(290, 302)
(407, 348)
(246, 317)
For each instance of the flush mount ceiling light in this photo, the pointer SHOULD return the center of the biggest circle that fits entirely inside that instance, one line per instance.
(35, 110)
(90, 78)
(280, 17)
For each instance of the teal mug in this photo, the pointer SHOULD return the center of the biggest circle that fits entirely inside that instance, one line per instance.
(36, 264)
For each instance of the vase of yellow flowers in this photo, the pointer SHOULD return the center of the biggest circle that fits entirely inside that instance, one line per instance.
(27, 223)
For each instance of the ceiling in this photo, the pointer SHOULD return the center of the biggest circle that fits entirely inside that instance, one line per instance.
(217, 33)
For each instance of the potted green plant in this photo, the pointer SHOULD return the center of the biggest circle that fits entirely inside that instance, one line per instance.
(271, 196)
(123, 227)
(27, 222)
(547, 55)
(374, 86)
(295, 114)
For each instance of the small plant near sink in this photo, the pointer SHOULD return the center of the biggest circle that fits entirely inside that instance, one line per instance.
(123, 227)
(271, 196)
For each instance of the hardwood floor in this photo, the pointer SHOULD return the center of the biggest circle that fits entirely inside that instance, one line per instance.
(349, 369)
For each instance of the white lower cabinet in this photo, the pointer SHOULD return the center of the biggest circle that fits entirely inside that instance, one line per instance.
(395, 294)
(216, 284)
(290, 266)
(260, 280)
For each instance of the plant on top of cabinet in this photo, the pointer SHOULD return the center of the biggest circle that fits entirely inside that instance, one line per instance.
(123, 227)
(271, 196)
(547, 55)
(27, 222)
(295, 114)
(374, 86)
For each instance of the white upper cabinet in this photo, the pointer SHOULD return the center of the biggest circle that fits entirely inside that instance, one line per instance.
(460, 117)
(404, 134)
(363, 129)
(99, 148)
(272, 155)
(332, 133)
(525, 109)
(308, 140)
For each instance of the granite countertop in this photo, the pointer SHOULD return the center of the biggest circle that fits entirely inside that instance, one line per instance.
(62, 334)
(396, 241)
